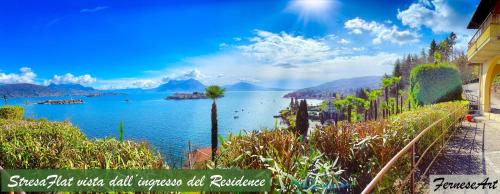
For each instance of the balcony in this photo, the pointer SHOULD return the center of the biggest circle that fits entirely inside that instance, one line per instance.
(485, 44)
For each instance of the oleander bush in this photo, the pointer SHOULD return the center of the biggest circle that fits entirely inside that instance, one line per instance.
(40, 144)
(434, 83)
(353, 153)
(11, 112)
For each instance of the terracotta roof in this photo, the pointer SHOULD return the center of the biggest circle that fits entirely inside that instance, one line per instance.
(198, 155)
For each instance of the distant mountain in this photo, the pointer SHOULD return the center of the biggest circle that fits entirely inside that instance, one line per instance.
(245, 86)
(190, 85)
(33, 90)
(127, 90)
(73, 89)
(341, 86)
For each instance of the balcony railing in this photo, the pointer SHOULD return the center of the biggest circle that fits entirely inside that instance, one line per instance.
(492, 18)
(410, 149)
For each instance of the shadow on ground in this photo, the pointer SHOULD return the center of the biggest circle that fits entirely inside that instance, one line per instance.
(463, 154)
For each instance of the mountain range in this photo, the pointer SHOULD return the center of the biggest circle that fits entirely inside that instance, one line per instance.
(341, 86)
(192, 85)
(245, 86)
(189, 85)
(33, 90)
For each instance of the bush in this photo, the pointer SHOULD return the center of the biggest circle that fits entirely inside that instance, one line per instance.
(434, 83)
(357, 151)
(294, 166)
(59, 145)
(11, 112)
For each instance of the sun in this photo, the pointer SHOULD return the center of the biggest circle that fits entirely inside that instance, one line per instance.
(313, 5)
(312, 9)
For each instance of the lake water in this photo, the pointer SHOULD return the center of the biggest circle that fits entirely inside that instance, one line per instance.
(167, 125)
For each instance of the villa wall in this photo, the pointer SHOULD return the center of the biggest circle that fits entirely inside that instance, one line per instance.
(487, 74)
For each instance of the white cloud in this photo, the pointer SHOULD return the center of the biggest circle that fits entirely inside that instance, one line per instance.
(284, 48)
(69, 78)
(381, 32)
(144, 83)
(289, 59)
(126, 83)
(356, 31)
(26, 75)
(343, 41)
(438, 15)
(223, 45)
(441, 16)
(284, 59)
(95, 9)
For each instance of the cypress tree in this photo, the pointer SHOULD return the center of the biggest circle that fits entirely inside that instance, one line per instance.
(302, 119)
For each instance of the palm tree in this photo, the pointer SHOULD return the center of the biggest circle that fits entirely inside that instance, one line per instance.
(373, 96)
(386, 83)
(213, 92)
(396, 81)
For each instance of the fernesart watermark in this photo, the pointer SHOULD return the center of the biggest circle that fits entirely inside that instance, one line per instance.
(464, 184)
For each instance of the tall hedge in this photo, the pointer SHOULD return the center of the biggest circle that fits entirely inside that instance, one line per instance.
(11, 112)
(433, 83)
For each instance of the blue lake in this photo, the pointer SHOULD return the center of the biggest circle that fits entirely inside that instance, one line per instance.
(167, 125)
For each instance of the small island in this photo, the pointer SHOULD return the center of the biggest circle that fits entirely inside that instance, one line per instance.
(71, 101)
(187, 96)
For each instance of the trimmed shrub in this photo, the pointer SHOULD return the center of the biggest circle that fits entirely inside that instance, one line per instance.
(59, 145)
(11, 112)
(434, 83)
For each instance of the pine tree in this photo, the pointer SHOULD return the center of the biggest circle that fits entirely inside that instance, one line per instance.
(452, 40)
(397, 72)
(432, 49)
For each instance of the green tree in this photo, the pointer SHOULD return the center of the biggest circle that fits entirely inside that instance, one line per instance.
(341, 105)
(386, 84)
(437, 57)
(432, 49)
(121, 131)
(444, 48)
(397, 72)
(396, 81)
(302, 119)
(373, 96)
(214, 92)
(356, 104)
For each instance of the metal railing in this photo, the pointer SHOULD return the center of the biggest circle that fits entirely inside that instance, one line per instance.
(410, 149)
(492, 18)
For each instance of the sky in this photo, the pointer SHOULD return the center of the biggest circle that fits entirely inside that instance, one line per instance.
(112, 44)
